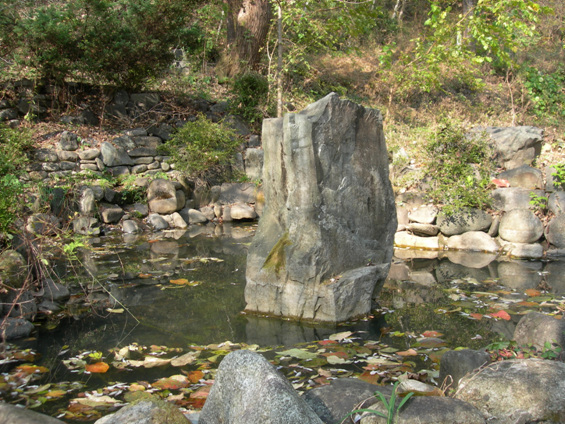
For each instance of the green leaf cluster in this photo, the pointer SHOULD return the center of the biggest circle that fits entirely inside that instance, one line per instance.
(122, 42)
(250, 91)
(203, 148)
(546, 91)
(14, 145)
(459, 167)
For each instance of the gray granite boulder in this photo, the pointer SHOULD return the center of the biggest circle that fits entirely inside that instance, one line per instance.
(241, 211)
(425, 214)
(85, 226)
(514, 146)
(162, 196)
(429, 410)
(555, 231)
(455, 364)
(43, 223)
(149, 410)
(537, 329)
(114, 156)
(13, 269)
(474, 241)
(254, 163)
(11, 414)
(54, 291)
(556, 202)
(517, 391)
(334, 401)
(11, 329)
(250, 390)
(507, 199)
(524, 176)
(462, 221)
(157, 222)
(520, 226)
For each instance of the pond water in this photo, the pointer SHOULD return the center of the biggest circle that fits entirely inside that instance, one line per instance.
(184, 289)
(132, 274)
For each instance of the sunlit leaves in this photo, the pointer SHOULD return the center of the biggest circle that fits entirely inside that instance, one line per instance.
(98, 367)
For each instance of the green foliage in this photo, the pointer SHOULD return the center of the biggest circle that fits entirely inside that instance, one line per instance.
(456, 46)
(509, 349)
(14, 145)
(203, 148)
(559, 174)
(390, 406)
(538, 202)
(123, 42)
(459, 168)
(250, 91)
(546, 91)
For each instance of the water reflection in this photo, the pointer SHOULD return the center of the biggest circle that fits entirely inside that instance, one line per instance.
(426, 267)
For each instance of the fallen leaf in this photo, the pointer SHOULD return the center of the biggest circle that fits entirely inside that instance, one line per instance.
(476, 315)
(201, 393)
(195, 376)
(172, 383)
(501, 314)
(341, 336)
(98, 367)
(55, 393)
(432, 334)
(409, 352)
(180, 282)
(370, 377)
(533, 292)
(334, 360)
(430, 342)
(298, 354)
(32, 369)
(499, 182)
(186, 359)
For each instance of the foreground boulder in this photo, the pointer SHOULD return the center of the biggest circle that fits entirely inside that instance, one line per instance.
(325, 240)
(429, 410)
(518, 391)
(10, 414)
(249, 390)
(146, 411)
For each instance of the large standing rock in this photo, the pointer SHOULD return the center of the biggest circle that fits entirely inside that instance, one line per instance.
(325, 240)
(555, 231)
(249, 390)
(518, 391)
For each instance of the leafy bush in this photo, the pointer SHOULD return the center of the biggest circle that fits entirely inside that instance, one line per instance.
(546, 91)
(250, 92)
(459, 168)
(203, 148)
(124, 42)
(13, 147)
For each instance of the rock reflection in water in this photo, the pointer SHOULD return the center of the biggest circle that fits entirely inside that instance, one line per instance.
(428, 268)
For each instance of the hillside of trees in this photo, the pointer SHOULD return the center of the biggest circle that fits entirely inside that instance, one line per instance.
(421, 62)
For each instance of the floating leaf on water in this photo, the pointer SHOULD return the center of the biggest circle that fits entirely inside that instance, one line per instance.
(180, 282)
(528, 304)
(431, 342)
(409, 352)
(115, 311)
(432, 334)
(32, 369)
(195, 376)
(533, 292)
(186, 359)
(388, 350)
(476, 316)
(333, 360)
(135, 387)
(327, 342)
(298, 354)
(98, 367)
(370, 377)
(37, 389)
(341, 336)
(375, 360)
(502, 315)
(96, 400)
(55, 394)
(201, 393)
(172, 383)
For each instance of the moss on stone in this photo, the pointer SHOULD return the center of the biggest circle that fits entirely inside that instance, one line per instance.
(277, 256)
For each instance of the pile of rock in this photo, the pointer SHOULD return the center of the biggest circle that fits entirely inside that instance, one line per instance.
(512, 228)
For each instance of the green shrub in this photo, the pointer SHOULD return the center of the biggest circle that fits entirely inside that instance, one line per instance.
(546, 91)
(14, 145)
(250, 91)
(123, 42)
(203, 148)
(459, 168)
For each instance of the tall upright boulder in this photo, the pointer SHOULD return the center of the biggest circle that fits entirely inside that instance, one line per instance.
(325, 240)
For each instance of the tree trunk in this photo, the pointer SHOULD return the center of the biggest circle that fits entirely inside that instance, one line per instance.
(248, 23)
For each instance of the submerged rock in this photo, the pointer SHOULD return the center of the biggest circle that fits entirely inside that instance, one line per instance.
(325, 239)
(11, 414)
